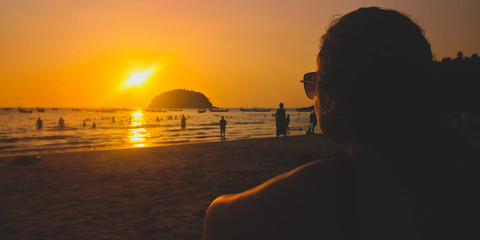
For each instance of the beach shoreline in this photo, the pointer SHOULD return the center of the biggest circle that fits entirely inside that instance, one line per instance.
(130, 129)
(123, 147)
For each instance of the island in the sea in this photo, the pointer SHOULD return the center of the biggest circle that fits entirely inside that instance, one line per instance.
(181, 98)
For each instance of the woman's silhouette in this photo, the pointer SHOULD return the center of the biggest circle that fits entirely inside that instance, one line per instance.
(404, 177)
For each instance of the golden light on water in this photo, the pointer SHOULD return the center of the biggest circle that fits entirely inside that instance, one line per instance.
(137, 134)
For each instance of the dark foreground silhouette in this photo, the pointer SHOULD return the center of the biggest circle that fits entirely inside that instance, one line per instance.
(405, 176)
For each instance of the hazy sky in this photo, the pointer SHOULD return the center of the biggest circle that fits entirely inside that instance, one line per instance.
(70, 53)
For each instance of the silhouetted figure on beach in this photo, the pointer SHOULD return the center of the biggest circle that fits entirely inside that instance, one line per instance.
(280, 121)
(313, 122)
(84, 124)
(113, 119)
(158, 119)
(61, 123)
(183, 121)
(402, 177)
(223, 124)
(94, 125)
(39, 123)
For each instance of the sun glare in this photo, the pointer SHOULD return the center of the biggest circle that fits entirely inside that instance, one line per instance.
(138, 78)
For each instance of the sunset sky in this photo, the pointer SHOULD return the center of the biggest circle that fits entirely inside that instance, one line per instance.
(70, 53)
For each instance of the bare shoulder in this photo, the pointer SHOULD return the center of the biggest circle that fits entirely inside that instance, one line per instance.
(280, 208)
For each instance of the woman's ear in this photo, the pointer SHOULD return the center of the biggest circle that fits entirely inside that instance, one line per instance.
(323, 106)
(333, 120)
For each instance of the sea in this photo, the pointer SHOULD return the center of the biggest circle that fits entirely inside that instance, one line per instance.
(131, 128)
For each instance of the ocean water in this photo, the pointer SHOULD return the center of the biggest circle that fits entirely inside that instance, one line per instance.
(131, 128)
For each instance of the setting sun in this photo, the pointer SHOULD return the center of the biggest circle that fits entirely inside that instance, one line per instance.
(138, 78)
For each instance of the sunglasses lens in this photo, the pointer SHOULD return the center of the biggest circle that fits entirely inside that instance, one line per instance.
(310, 89)
(310, 84)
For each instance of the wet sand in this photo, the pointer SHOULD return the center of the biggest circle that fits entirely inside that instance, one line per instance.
(142, 193)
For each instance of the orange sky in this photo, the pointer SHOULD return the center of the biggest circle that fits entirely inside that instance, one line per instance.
(68, 53)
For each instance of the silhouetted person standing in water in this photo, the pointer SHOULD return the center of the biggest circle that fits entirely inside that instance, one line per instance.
(39, 123)
(313, 122)
(61, 123)
(94, 125)
(280, 121)
(183, 121)
(223, 124)
(403, 177)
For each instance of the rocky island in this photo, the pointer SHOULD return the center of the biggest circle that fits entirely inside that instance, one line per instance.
(181, 98)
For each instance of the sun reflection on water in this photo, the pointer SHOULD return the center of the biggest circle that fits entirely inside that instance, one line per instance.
(137, 134)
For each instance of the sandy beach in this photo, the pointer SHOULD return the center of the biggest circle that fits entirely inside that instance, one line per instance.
(142, 193)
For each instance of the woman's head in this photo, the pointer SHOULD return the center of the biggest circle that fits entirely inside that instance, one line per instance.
(375, 71)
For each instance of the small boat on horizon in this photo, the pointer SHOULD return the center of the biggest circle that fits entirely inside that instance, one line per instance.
(255, 109)
(202, 110)
(123, 109)
(305, 109)
(54, 109)
(155, 110)
(78, 109)
(262, 109)
(40, 109)
(105, 110)
(219, 109)
(7, 109)
(23, 110)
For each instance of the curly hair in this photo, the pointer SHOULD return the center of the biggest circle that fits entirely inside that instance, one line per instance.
(377, 64)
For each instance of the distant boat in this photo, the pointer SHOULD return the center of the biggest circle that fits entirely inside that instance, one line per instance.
(262, 109)
(255, 109)
(78, 109)
(23, 110)
(7, 109)
(305, 109)
(40, 109)
(219, 109)
(54, 109)
(122, 109)
(175, 109)
(104, 110)
(202, 110)
(155, 110)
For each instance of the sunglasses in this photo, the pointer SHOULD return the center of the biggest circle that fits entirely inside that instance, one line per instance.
(310, 83)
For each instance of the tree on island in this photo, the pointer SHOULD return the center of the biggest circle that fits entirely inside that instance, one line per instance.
(458, 83)
(180, 98)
